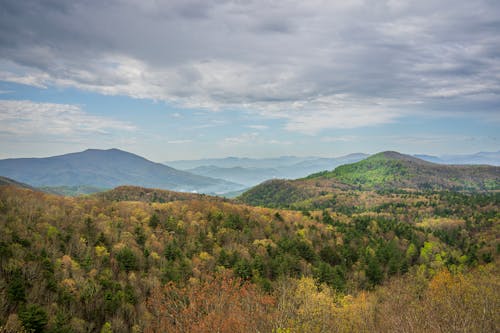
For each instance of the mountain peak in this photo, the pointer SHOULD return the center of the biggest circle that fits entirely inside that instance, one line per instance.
(95, 150)
(394, 155)
(390, 169)
(107, 168)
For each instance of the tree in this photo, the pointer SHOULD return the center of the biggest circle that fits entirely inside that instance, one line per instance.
(34, 318)
(127, 259)
(220, 304)
(106, 328)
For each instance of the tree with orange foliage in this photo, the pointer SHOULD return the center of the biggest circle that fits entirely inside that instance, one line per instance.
(220, 304)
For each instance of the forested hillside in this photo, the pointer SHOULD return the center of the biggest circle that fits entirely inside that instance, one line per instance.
(139, 260)
(390, 170)
(383, 173)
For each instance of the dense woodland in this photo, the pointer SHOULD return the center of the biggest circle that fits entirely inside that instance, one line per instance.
(138, 260)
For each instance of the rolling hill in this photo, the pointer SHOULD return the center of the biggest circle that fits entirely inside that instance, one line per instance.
(388, 170)
(145, 260)
(108, 169)
(383, 171)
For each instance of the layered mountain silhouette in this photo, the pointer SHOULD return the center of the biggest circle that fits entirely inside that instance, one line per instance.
(108, 169)
(490, 158)
(252, 171)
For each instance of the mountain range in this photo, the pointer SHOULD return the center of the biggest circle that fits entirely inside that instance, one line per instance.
(489, 158)
(107, 169)
(252, 171)
(94, 170)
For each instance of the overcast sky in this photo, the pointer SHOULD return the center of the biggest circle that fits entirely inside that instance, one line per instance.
(182, 79)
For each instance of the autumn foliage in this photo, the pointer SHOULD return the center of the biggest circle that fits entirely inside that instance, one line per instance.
(220, 304)
(167, 262)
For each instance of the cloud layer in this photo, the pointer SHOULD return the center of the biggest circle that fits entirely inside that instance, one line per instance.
(315, 64)
(27, 118)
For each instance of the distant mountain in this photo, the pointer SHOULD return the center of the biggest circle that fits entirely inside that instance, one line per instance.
(243, 162)
(245, 176)
(108, 169)
(488, 158)
(383, 171)
(251, 172)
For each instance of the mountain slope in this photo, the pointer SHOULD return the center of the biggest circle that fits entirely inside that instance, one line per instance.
(388, 170)
(107, 169)
(4, 181)
(284, 193)
(383, 171)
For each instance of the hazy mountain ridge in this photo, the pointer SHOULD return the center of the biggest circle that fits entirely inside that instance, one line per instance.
(489, 158)
(251, 171)
(246, 176)
(108, 169)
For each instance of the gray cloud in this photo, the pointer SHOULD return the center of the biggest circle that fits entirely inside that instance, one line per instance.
(316, 64)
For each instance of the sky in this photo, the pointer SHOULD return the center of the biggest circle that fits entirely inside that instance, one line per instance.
(189, 79)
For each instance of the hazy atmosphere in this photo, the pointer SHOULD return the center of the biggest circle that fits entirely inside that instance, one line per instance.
(197, 79)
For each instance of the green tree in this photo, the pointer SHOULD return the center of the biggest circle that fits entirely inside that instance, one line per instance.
(16, 289)
(34, 318)
(127, 259)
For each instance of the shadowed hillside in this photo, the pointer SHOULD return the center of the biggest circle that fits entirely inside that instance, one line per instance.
(4, 181)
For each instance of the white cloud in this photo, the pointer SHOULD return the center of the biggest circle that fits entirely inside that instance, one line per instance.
(179, 142)
(27, 118)
(245, 138)
(336, 111)
(258, 127)
(253, 138)
(347, 138)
